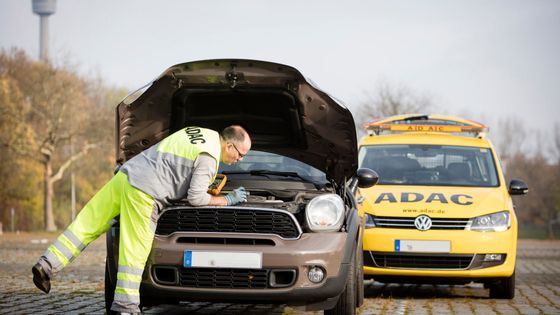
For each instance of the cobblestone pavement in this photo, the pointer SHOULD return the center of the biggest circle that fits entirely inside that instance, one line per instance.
(79, 289)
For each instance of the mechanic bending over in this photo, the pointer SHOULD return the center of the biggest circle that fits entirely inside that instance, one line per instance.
(184, 163)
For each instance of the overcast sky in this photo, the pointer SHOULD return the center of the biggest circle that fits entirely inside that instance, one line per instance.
(479, 59)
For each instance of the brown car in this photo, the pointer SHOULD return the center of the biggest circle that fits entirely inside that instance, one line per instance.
(298, 238)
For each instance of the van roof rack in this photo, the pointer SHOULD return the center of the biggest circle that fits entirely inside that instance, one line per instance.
(426, 123)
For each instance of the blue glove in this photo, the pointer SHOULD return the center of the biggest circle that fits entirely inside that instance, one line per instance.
(236, 196)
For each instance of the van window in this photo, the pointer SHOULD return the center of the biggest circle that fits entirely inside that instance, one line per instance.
(431, 165)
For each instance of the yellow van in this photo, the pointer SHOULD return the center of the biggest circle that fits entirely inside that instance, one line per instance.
(441, 212)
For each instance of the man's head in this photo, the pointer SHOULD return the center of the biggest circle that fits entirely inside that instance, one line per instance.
(235, 143)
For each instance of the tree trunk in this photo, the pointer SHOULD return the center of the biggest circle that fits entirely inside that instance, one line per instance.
(51, 178)
(48, 209)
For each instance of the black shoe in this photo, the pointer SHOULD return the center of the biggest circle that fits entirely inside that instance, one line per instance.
(40, 278)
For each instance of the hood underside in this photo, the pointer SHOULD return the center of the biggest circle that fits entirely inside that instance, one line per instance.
(282, 112)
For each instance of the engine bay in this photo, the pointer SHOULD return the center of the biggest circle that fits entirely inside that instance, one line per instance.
(291, 201)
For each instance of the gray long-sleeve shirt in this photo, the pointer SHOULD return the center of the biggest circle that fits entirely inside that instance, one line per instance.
(203, 171)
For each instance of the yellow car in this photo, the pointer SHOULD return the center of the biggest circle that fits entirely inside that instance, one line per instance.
(441, 212)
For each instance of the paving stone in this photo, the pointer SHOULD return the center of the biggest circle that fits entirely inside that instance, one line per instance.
(79, 288)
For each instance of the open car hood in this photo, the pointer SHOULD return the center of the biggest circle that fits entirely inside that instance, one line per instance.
(282, 111)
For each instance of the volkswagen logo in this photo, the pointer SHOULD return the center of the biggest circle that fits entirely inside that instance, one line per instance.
(423, 223)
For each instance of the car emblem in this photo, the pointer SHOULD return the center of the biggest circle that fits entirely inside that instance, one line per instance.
(423, 223)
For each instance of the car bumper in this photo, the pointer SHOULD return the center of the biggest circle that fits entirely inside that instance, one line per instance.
(295, 257)
(382, 259)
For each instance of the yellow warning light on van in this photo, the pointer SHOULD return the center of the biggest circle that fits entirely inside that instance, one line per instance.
(426, 123)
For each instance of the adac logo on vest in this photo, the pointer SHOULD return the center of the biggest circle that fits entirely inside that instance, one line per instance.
(460, 199)
(195, 135)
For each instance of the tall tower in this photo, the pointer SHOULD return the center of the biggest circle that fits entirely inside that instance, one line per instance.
(44, 8)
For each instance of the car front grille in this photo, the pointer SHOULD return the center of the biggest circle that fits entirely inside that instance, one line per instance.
(417, 261)
(223, 278)
(228, 220)
(408, 223)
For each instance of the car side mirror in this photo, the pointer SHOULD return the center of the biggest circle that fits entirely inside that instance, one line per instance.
(518, 187)
(366, 177)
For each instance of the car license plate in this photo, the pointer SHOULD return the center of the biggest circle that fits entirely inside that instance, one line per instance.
(422, 246)
(209, 259)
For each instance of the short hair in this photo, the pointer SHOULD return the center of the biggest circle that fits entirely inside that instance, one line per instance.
(234, 133)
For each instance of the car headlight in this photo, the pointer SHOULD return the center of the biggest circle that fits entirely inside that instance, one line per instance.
(325, 213)
(494, 222)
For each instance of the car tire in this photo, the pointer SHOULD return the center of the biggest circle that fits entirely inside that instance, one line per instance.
(503, 288)
(346, 303)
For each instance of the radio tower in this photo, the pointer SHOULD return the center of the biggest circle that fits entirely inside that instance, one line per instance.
(44, 8)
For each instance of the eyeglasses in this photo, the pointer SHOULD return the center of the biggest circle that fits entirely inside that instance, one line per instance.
(238, 152)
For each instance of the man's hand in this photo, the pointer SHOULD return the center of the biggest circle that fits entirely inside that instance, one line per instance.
(236, 196)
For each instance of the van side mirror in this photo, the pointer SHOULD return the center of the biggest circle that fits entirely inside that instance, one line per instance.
(518, 187)
(366, 177)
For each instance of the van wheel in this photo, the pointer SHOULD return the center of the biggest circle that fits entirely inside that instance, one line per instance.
(346, 303)
(503, 288)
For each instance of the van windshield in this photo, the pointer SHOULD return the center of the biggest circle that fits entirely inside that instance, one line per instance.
(431, 165)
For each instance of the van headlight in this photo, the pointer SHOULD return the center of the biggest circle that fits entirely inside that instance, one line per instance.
(325, 213)
(494, 222)
(370, 221)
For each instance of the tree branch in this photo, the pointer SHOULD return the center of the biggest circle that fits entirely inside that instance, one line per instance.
(21, 150)
(58, 176)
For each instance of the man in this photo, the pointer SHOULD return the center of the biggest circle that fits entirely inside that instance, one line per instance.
(184, 163)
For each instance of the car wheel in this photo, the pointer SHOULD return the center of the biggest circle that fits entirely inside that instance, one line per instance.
(346, 303)
(503, 288)
(109, 289)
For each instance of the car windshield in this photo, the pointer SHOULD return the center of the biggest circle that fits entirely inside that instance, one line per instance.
(439, 165)
(271, 165)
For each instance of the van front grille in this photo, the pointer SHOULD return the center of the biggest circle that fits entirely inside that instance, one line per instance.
(408, 223)
(417, 261)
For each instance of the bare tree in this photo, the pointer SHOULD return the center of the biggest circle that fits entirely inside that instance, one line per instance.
(388, 100)
(58, 105)
(554, 211)
(509, 137)
(556, 143)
